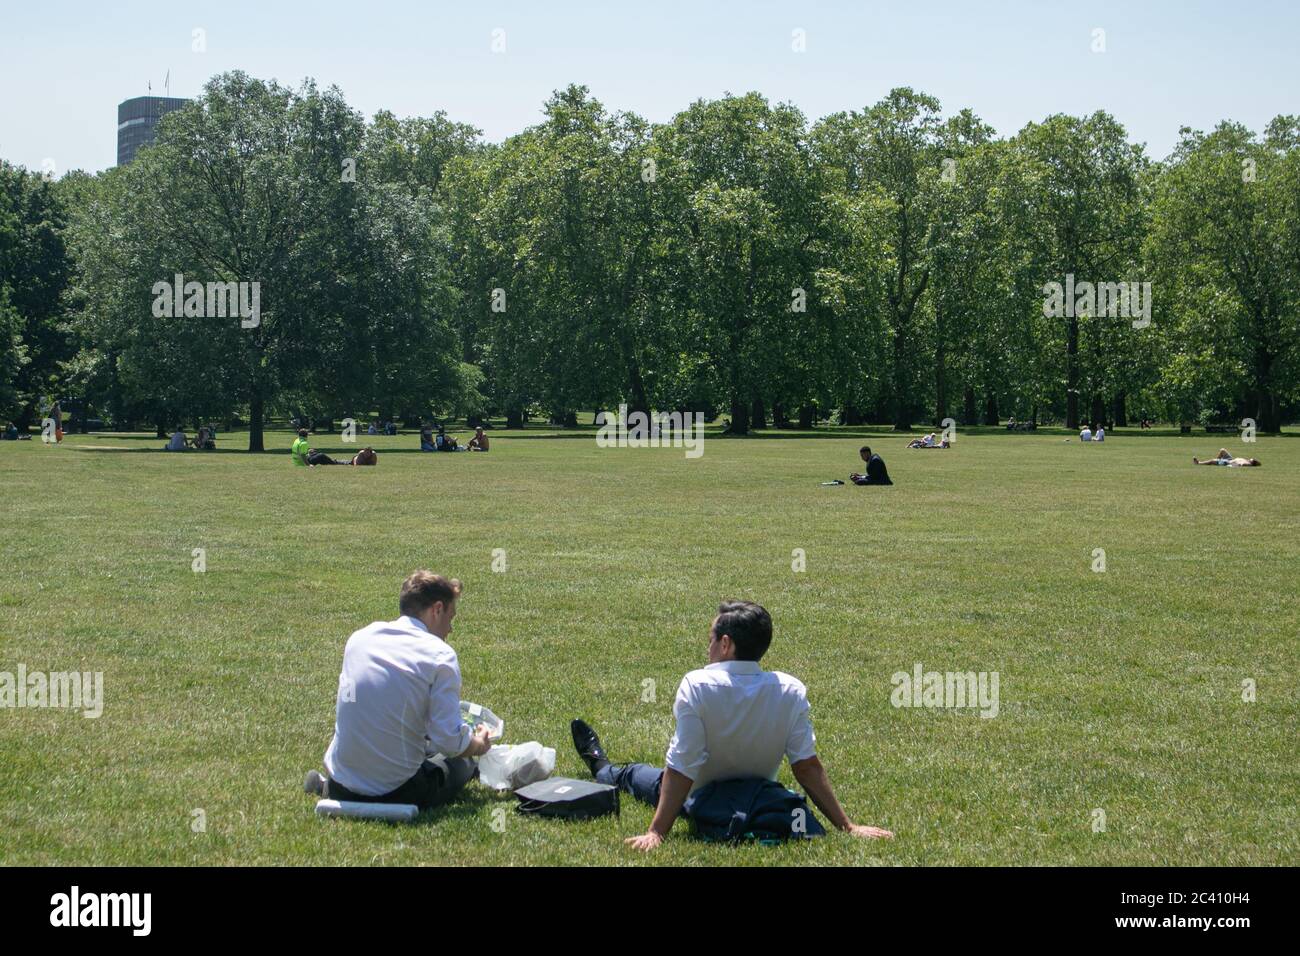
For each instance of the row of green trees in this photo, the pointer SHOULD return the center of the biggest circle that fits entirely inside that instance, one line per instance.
(888, 265)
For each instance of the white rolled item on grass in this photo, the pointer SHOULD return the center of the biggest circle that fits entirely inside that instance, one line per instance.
(356, 809)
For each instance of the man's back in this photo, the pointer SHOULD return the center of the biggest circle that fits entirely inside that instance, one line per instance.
(735, 720)
(399, 684)
(877, 474)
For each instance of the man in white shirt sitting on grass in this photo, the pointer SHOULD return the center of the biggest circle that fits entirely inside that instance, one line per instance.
(734, 721)
(398, 733)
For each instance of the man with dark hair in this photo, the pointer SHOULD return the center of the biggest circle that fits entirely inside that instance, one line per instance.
(876, 473)
(299, 450)
(398, 732)
(735, 722)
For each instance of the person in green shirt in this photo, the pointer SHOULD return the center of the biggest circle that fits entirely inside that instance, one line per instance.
(299, 450)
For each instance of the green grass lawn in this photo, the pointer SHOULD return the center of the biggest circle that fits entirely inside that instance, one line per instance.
(1119, 691)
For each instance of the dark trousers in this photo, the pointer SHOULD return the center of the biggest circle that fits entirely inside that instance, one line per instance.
(640, 780)
(438, 781)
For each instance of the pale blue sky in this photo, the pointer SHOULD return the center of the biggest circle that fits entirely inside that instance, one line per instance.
(64, 67)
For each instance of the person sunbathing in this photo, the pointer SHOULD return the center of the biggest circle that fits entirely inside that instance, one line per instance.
(479, 442)
(365, 456)
(1227, 460)
(1223, 455)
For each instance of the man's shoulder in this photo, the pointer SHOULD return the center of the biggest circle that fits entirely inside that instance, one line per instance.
(706, 675)
(399, 633)
(789, 683)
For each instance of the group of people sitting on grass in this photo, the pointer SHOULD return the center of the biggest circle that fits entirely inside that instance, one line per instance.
(929, 441)
(399, 736)
(204, 440)
(1091, 434)
(441, 441)
(303, 454)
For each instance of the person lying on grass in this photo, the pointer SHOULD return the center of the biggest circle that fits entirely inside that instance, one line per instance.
(398, 733)
(927, 442)
(735, 722)
(1225, 459)
(365, 456)
(303, 454)
(876, 473)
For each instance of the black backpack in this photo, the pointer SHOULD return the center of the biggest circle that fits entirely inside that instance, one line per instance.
(567, 799)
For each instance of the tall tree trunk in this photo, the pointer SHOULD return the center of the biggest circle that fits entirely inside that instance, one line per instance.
(968, 416)
(1098, 410)
(1268, 413)
(256, 420)
(807, 415)
(739, 417)
(515, 416)
(637, 399)
(779, 419)
(940, 373)
(991, 409)
(757, 414)
(902, 401)
(849, 415)
(1072, 373)
(1119, 410)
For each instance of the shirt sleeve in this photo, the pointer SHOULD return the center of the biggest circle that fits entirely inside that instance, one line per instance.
(801, 742)
(688, 750)
(448, 734)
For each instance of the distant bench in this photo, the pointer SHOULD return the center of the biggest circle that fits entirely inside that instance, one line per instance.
(1221, 429)
(1022, 426)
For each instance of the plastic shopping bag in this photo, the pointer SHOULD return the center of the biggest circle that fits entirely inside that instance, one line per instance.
(510, 766)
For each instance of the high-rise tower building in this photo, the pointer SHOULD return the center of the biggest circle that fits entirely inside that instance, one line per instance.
(137, 120)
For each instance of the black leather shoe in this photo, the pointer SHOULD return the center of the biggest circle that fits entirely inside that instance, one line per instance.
(588, 746)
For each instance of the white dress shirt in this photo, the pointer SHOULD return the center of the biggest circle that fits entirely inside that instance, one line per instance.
(735, 719)
(398, 701)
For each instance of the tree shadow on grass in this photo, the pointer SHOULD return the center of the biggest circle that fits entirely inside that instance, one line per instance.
(163, 451)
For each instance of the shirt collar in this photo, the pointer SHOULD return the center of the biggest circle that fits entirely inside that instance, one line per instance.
(414, 622)
(737, 667)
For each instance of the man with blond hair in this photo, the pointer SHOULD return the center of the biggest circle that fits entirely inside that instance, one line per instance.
(398, 732)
